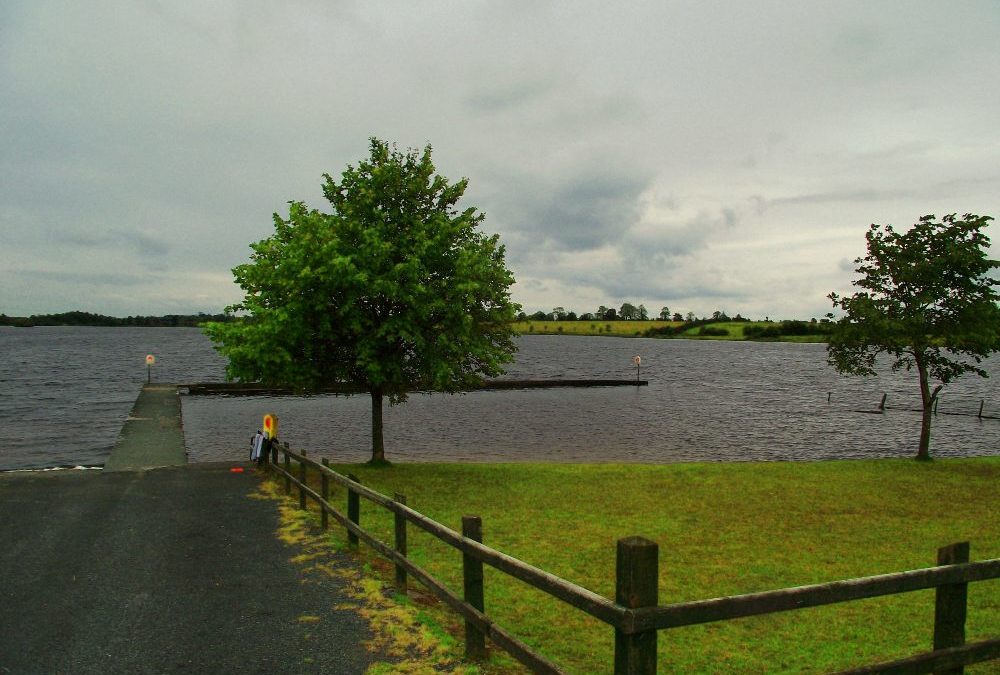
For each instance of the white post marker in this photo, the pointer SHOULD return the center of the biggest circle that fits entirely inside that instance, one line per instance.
(150, 360)
(637, 360)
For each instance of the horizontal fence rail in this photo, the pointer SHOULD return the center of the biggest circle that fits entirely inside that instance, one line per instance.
(770, 602)
(636, 616)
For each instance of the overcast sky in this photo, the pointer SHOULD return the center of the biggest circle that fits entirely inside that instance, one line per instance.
(700, 155)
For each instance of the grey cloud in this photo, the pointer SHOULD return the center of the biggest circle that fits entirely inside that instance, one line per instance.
(667, 239)
(584, 212)
(85, 278)
(838, 196)
(137, 242)
(501, 99)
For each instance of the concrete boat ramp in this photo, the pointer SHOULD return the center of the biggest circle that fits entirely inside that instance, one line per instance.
(152, 436)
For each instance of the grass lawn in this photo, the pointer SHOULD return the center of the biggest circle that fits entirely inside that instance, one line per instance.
(722, 529)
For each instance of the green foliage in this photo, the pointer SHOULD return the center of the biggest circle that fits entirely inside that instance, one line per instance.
(765, 331)
(927, 300)
(394, 290)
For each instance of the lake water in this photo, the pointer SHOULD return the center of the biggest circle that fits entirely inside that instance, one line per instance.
(65, 393)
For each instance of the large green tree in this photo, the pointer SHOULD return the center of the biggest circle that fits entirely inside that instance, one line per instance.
(395, 289)
(927, 300)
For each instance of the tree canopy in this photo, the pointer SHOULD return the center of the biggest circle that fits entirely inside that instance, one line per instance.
(927, 300)
(394, 290)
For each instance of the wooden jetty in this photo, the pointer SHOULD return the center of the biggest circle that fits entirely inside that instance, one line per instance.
(257, 389)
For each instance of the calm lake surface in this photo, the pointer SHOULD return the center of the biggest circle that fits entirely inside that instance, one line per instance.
(65, 393)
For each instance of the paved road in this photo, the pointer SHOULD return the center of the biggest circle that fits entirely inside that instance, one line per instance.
(171, 570)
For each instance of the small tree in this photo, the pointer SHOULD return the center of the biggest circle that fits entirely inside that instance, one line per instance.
(628, 312)
(665, 314)
(927, 299)
(395, 289)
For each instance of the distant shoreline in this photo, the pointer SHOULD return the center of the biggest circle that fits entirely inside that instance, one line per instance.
(102, 321)
(701, 329)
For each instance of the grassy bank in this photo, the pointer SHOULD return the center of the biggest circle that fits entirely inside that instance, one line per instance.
(613, 328)
(722, 529)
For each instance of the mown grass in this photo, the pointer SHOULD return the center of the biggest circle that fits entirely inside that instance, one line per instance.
(722, 529)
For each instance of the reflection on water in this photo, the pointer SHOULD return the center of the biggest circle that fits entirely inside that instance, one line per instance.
(65, 392)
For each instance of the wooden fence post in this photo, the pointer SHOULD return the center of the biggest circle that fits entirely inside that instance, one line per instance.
(637, 579)
(288, 472)
(302, 482)
(325, 491)
(472, 575)
(274, 453)
(353, 510)
(950, 605)
(400, 545)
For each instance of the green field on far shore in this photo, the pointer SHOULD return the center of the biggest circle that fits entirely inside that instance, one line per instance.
(613, 328)
(734, 330)
(722, 529)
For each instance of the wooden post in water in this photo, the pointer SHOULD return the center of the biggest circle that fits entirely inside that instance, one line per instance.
(400, 545)
(828, 395)
(881, 406)
(936, 399)
(353, 510)
(325, 491)
(302, 482)
(472, 575)
(982, 402)
(636, 585)
(950, 605)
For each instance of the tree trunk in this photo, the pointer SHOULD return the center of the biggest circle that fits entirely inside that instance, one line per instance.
(927, 398)
(378, 447)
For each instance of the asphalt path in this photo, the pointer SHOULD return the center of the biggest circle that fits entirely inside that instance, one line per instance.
(172, 570)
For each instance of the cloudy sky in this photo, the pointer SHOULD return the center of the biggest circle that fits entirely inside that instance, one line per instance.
(701, 155)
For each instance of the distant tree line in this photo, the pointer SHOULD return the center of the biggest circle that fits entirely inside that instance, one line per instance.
(89, 319)
(776, 330)
(751, 331)
(627, 312)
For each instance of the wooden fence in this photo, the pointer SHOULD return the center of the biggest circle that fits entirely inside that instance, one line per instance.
(635, 613)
